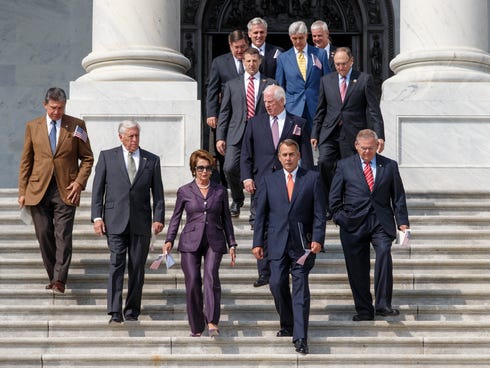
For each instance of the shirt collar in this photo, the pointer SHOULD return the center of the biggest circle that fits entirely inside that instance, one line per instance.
(347, 77)
(280, 116)
(373, 161)
(293, 173)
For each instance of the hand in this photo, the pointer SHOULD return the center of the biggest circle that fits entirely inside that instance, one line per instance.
(212, 121)
(21, 201)
(258, 252)
(157, 227)
(167, 248)
(249, 186)
(316, 247)
(233, 255)
(314, 143)
(381, 145)
(75, 191)
(403, 228)
(221, 146)
(99, 227)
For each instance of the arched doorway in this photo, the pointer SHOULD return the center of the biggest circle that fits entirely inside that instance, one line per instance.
(364, 25)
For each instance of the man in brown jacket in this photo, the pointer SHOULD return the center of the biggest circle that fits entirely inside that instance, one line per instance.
(54, 168)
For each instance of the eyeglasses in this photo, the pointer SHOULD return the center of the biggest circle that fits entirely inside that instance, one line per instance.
(204, 168)
(364, 149)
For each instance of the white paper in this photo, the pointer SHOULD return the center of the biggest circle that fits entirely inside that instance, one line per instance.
(169, 260)
(404, 237)
(25, 215)
(153, 240)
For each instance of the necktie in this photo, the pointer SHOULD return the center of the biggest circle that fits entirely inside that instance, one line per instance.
(240, 67)
(52, 137)
(290, 185)
(131, 167)
(275, 131)
(368, 173)
(250, 97)
(302, 64)
(343, 88)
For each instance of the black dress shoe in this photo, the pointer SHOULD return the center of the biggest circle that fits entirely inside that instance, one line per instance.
(116, 318)
(328, 216)
(362, 317)
(261, 281)
(284, 332)
(385, 312)
(301, 346)
(130, 318)
(235, 208)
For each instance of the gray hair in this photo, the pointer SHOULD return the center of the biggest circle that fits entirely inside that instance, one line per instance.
(367, 134)
(298, 27)
(55, 94)
(127, 124)
(319, 24)
(276, 91)
(256, 21)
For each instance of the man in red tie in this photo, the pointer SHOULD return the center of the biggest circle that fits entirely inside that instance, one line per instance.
(368, 202)
(347, 102)
(242, 99)
(290, 204)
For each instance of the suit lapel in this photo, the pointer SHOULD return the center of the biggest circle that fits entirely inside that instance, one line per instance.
(288, 127)
(298, 186)
(352, 84)
(64, 132)
(262, 85)
(357, 169)
(119, 159)
(380, 170)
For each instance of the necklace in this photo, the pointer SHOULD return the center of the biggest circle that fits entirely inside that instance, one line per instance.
(203, 186)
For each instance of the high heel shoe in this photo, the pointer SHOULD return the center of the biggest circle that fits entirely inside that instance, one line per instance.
(213, 330)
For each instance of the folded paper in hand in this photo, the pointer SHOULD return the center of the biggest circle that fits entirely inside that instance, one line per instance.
(301, 260)
(25, 215)
(404, 237)
(169, 261)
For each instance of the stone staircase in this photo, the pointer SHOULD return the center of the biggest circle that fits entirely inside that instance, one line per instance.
(442, 286)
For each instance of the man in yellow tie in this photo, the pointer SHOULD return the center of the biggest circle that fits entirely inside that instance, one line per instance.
(299, 71)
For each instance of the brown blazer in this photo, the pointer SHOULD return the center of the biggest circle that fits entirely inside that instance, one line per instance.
(38, 165)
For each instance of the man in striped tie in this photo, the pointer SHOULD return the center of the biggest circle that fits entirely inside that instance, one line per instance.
(368, 202)
(242, 100)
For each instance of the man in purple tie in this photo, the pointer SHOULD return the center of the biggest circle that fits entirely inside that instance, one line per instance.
(259, 152)
(347, 103)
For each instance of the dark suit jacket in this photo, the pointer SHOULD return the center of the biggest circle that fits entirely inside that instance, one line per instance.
(72, 161)
(223, 68)
(351, 199)
(301, 220)
(269, 62)
(210, 214)
(233, 113)
(331, 63)
(118, 202)
(298, 91)
(259, 156)
(360, 109)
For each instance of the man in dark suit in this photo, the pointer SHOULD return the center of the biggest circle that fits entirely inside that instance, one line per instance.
(290, 207)
(223, 68)
(125, 178)
(366, 198)
(54, 168)
(301, 89)
(338, 119)
(242, 99)
(321, 39)
(259, 153)
(257, 32)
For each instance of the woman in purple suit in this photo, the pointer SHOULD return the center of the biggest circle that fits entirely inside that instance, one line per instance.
(207, 231)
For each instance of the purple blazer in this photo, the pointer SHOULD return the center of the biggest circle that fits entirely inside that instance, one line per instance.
(210, 214)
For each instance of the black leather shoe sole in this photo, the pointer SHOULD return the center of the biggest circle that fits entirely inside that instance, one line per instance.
(261, 281)
(361, 317)
(284, 333)
(387, 312)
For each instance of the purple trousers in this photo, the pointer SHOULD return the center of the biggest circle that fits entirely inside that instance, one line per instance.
(202, 309)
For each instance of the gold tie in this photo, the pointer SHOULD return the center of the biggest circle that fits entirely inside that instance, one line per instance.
(302, 64)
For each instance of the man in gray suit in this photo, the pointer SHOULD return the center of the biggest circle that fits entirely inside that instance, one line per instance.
(242, 99)
(124, 178)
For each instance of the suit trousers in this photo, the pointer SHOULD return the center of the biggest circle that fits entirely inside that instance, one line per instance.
(358, 262)
(202, 309)
(53, 223)
(231, 168)
(293, 309)
(136, 248)
(332, 150)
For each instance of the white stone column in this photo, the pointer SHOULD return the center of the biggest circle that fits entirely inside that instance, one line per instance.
(135, 71)
(437, 106)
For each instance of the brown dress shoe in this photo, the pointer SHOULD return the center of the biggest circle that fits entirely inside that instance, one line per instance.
(58, 287)
(49, 286)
